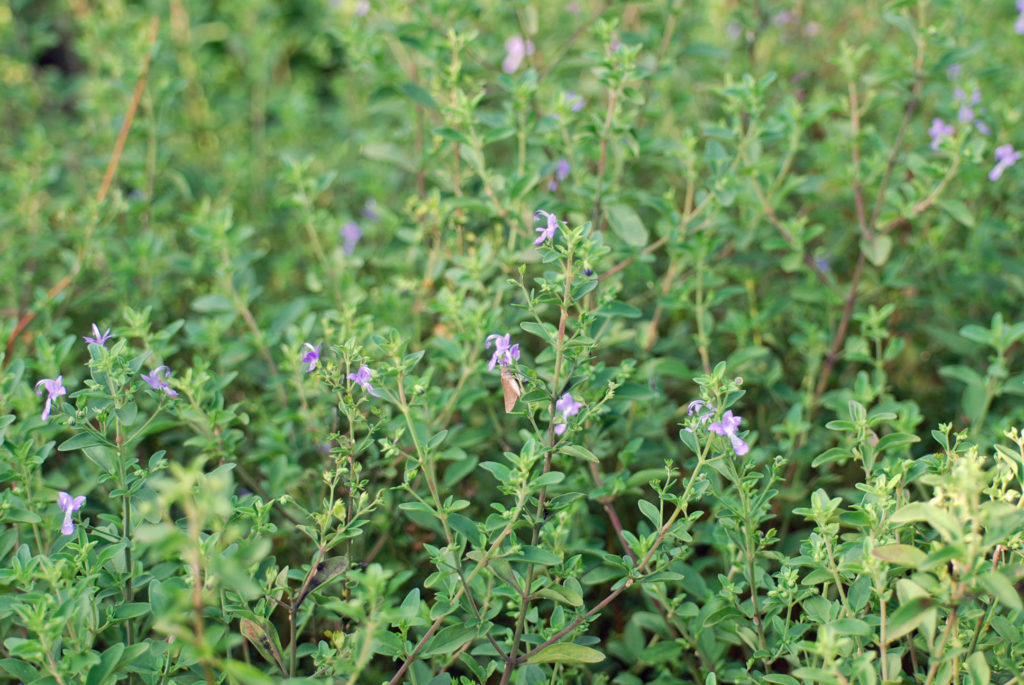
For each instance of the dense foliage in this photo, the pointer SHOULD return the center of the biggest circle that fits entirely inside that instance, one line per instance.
(436, 341)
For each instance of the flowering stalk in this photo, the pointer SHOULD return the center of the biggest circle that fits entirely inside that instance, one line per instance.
(511, 662)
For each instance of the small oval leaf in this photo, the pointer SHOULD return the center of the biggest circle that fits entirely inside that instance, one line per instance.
(566, 653)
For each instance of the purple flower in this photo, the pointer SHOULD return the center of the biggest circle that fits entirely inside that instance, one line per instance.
(966, 112)
(784, 17)
(311, 357)
(516, 48)
(96, 338)
(575, 102)
(938, 131)
(1018, 26)
(504, 353)
(154, 380)
(350, 233)
(54, 388)
(69, 505)
(370, 210)
(362, 8)
(362, 377)
(547, 232)
(982, 127)
(953, 71)
(698, 407)
(824, 266)
(562, 170)
(566, 406)
(727, 427)
(1006, 157)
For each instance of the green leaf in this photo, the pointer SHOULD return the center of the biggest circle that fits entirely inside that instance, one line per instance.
(851, 626)
(904, 555)
(660, 653)
(81, 441)
(830, 455)
(545, 331)
(500, 471)
(779, 679)
(535, 555)
(978, 670)
(818, 676)
(651, 512)
(452, 134)
(958, 210)
(19, 669)
(560, 593)
(908, 617)
(382, 151)
(566, 653)
(213, 303)
(547, 479)
(241, 672)
(626, 311)
(131, 610)
(5, 421)
(859, 592)
(418, 95)
(893, 440)
(626, 224)
(468, 529)
(1002, 589)
(579, 453)
(101, 672)
(939, 519)
(964, 374)
(878, 250)
(500, 133)
(126, 414)
(447, 640)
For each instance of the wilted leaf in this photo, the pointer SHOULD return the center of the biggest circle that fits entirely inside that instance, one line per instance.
(263, 636)
(324, 572)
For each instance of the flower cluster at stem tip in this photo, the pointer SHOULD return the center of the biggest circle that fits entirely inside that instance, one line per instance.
(547, 232)
(96, 338)
(504, 352)
(727, 427)
(362, 378)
